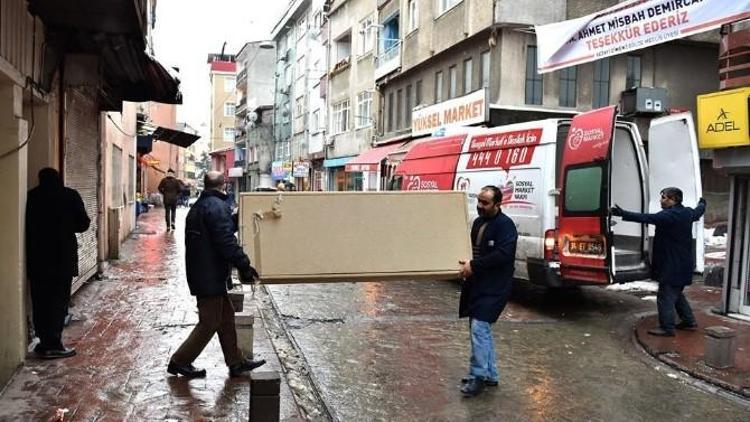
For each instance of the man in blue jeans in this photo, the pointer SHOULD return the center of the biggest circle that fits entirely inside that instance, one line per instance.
(488, 279)
(673, 259)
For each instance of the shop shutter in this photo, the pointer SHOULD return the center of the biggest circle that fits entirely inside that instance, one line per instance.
(82, 170)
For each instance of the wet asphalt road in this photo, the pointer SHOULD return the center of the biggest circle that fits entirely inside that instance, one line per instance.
(396, 351)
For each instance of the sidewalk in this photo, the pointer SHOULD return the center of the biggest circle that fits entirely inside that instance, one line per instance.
(124, 329)
(685, 351)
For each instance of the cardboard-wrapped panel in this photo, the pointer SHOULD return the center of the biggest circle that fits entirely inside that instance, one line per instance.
(354, 236)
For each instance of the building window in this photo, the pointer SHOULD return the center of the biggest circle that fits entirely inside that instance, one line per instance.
(468, 69)
(601, 83)
(228, 134)
(341, 117)
(364, 109)
(413, 15)
(633, 79)
(533, 78)
(418, 93)
(315, 122)
(485, 63)
(453, 78)
(568, 82)
(300, 67)
(301, 27)
(229, 109)
(445, 5)
(390, 112)
(229, 84)
(399, 108)
(365, 36)
(439, 87)
(409, 105)
(343, 48)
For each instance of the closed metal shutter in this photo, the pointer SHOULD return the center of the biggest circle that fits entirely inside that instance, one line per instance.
(82, 170)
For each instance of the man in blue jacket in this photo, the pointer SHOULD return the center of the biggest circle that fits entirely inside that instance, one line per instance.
(673, 259)
(211, 250)
(487, 286)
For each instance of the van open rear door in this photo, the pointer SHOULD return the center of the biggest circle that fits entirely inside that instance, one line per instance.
(585, 252)
(673, 161)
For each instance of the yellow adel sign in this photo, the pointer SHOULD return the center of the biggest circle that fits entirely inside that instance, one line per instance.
(723, 119)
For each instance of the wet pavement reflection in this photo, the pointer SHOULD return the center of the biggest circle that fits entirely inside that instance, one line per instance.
(396, 351)
(125, 328)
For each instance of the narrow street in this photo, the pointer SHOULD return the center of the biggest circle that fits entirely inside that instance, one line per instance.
(125, 327)
(374, 351)
(396, 351)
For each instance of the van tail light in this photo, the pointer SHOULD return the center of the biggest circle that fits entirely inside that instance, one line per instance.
(550, 245)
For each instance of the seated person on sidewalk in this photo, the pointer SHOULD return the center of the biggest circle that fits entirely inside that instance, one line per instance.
(672, 260)
(211, 249)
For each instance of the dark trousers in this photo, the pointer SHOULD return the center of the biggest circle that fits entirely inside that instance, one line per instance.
(668, 300)
(49, 301)
(215, 316)
(170, 211)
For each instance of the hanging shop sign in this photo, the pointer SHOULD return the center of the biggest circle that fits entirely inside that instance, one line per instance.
(462, 111)
(723, 119)
(301, 169)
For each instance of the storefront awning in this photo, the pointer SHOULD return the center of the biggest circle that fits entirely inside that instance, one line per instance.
(370, 160)
(337, 162)
(397, 155)
(235, 172)
(175, 137)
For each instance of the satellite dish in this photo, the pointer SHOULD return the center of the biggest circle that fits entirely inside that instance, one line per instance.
(252, 117)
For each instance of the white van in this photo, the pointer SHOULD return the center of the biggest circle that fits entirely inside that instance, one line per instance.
(559, 177)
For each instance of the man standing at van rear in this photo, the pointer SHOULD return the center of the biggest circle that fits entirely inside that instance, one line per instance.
(211, 250)
(673, 258)
(170, 188)
(488, 280)
(54, 214)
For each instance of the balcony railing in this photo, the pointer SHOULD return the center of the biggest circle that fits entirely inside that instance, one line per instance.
(390, 59)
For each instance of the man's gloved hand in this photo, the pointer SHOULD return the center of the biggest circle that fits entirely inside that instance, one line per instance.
(616, 211)
(248, 276)
(702, 202)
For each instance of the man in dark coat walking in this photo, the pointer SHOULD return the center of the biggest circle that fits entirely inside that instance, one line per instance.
(488, 280)
(211, 250)
(171, 189)
(673, 259)
(54, 214)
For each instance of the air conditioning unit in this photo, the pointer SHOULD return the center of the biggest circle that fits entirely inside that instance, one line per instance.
(328, 141)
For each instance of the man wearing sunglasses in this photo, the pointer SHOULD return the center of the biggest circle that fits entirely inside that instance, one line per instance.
(672, 260)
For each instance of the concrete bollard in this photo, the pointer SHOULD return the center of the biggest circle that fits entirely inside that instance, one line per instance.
(264, 396)
(244, 321)
(238, 301)
(720, 347)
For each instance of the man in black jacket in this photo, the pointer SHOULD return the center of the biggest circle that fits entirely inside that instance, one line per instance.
(673, 259)
(487, 286)
(211, 250)
(54, 214)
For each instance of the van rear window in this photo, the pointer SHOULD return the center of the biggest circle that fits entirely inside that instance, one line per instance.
(583, 189)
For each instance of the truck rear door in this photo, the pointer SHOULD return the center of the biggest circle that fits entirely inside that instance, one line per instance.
(583, 229)
(673, 161)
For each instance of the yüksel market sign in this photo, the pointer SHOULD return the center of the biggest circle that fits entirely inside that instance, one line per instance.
(629, 26)
(462, 111)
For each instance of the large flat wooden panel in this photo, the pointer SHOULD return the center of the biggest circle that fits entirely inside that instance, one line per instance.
(340, 236)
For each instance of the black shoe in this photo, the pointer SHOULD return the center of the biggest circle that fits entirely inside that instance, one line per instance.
(187, 371)
(687, 327)
(173, 227)
(473, 387)
(658, 331)
(244, 366)
(56, 353)
(487, 382)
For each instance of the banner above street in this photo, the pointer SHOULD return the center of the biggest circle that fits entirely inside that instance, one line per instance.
(629, 26)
